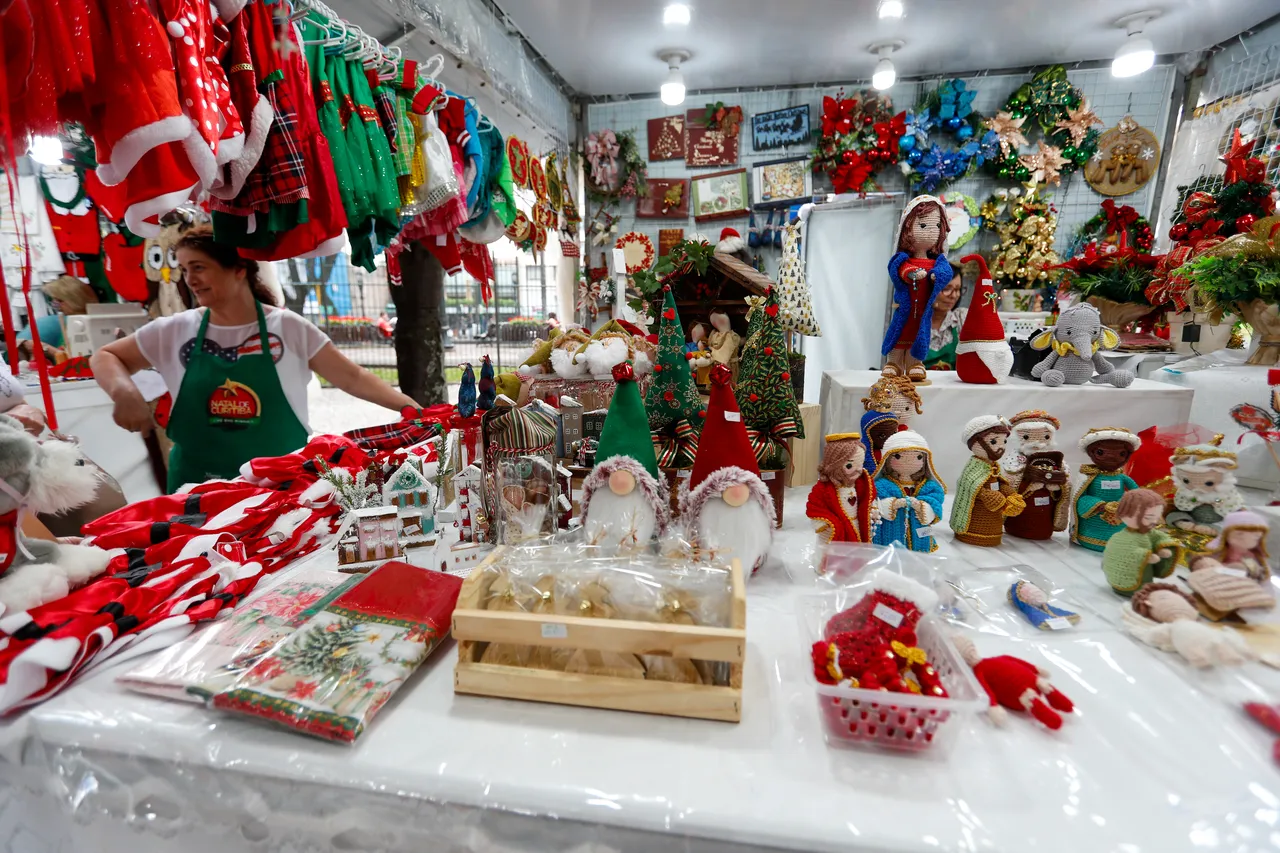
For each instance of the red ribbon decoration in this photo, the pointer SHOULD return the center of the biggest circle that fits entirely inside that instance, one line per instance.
(681, 446)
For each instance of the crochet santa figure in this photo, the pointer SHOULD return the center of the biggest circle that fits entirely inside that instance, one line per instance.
(983, 356)
(624, 503)
(728, 507)
(1015, 684)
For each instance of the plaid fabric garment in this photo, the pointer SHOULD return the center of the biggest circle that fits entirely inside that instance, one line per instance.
(428, 423)
(406, 139)
(385, 103)
(281, 175)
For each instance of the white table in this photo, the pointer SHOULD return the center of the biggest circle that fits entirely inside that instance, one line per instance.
(950, 403)
(1157, 758)
(84, 411)
(1143, 364)
(1222, 380)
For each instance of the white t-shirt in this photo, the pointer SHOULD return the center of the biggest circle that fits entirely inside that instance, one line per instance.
(167, 343)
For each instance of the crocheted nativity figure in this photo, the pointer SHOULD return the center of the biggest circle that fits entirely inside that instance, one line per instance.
(1139, 552)
(920, 272)
(1033, 432)
(909, 493)
(1044, 485)
(842, 503)
(876, 429)
(1104, 484)
(723, 343)
(1017, 685)
(1233, 573)
(984, 498)
(1205, 489)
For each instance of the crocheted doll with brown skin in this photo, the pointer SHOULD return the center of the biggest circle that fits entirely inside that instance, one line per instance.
(984, 498)
(1139, 552)
(1105, 482)
(920, 272)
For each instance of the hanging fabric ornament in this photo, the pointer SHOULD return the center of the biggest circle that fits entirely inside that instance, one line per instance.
(555, 192)
(537, 179)
(1128, 156)
(518, 158)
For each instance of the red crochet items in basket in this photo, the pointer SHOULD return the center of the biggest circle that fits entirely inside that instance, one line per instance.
(873, 645)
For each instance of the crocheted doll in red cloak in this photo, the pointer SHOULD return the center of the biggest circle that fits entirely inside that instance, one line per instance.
(873, 644)
(1015, 684)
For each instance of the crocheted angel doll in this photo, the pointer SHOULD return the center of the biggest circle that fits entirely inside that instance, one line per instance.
(919, 271)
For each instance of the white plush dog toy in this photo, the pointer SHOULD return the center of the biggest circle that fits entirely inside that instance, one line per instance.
(50, 478)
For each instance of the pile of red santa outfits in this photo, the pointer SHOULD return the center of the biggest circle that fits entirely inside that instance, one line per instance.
(182, 560)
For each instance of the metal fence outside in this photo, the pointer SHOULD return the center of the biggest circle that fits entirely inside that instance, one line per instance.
(354, 308)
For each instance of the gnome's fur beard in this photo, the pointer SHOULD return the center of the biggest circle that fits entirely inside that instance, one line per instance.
(745, 531)
(602, 355)
(563, 365)
(610, 519)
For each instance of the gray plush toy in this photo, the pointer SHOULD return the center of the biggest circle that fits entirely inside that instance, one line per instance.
(1077, 341)
(35, 477)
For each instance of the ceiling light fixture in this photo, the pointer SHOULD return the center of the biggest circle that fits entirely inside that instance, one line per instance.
(885, 74)
(46, 150)
(676, 15)
(672, 91)
(1137, 54)
(890, 9)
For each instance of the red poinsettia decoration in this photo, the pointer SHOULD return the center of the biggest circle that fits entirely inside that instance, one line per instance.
(837, 115)
(1240, 166)
(852, 173)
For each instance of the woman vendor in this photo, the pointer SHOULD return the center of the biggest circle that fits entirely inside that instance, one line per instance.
(945, 330)
(232, 403)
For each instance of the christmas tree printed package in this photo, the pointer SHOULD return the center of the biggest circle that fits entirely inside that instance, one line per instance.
(331, 676)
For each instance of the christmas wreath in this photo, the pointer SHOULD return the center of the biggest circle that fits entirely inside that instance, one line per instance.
(948, 110)
(1059, 109)
(1115, 224)
(617, 168)
(859, 137)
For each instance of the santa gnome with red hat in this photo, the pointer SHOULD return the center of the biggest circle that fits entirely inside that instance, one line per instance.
(727, 507)
(731, 243)
(983, 356)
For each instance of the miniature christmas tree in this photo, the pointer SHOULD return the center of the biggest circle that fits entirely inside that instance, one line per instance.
(794, 300)
(672, 401)
(764, 392)
(1025, 255)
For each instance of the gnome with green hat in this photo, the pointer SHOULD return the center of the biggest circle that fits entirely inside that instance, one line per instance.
(624, 504)
(675, 407)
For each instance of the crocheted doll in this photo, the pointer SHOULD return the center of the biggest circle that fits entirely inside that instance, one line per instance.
(1075, 342)
(909, 493)
(624, 503)
(1139, 552)
(1233, 574)
(895, 395)
(723, 342)
(1033, 432)
(984, 498)
(876, 427)
(1242, 544)
(1104, 484)
(919, 271)
(842, 503)
(1044, 486)
(1033, 603)
(1015, 684)
(1205, 489)
(1164, 617)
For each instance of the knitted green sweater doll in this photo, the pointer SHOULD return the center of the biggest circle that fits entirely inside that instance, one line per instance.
(1139, 553)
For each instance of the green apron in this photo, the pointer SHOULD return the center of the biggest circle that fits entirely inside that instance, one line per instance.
(227, 413)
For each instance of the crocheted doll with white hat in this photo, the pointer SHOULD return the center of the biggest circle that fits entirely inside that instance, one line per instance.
(624, 502)
(1205, 489)
(984, 498)
(983, 356)
(919, 271)
(727, 508)
(909, 493)
(1105, 483)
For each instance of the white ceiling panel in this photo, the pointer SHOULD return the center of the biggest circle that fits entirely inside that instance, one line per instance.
(609, 47)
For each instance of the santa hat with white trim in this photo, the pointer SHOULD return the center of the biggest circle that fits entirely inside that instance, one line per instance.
(983, 356)
(730, 241)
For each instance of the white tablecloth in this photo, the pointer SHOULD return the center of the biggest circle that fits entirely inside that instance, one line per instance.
(1157, 758)
(950, 403)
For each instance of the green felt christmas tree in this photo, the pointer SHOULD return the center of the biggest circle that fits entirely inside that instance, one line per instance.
(672, 401)
(764, 393)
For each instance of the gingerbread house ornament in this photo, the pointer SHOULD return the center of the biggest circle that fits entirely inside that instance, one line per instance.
(409, 490)
(371, 537)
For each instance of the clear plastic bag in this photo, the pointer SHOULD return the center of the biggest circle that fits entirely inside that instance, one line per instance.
(527, 508)
(1012, 601)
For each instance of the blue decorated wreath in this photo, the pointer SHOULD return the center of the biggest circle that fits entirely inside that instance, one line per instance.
(946, 114)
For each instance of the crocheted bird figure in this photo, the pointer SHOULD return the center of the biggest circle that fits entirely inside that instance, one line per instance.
(488, 388)
(467, 392)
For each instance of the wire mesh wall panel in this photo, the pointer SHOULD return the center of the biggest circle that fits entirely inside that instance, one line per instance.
(1147, 98)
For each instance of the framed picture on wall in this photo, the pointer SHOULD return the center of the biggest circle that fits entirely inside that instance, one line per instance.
(721, 195)
(667, 240)
(781, 183)
(707, 147)
(668, 198)
(780, 128)
(666, 138)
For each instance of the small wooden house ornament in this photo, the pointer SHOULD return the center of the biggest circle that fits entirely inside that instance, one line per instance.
(570, 426)
(408, 489)
(593, 423)
(472, 523)
(371, 537)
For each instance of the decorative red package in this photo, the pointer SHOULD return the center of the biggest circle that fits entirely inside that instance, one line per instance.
(331, 676)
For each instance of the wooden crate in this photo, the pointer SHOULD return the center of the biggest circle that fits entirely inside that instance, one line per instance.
(473, 628)
(806, 452)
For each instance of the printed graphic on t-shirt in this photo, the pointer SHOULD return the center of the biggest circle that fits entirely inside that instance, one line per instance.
(234, 405)
(251, 345)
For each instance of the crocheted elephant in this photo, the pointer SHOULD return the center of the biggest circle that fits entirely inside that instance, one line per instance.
(1076, 343)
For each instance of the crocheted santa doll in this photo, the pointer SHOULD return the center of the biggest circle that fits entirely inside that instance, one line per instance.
(983, 356)
(1015, 684)
(728, 507)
